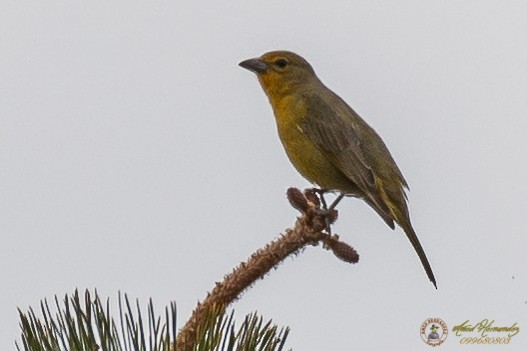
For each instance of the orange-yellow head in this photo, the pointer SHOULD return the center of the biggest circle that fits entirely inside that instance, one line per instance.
(280, 72)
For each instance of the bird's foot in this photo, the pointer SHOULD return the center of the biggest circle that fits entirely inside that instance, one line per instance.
(316, 196)
(312, 200)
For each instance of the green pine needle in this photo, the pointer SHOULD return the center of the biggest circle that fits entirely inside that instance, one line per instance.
(86, 324)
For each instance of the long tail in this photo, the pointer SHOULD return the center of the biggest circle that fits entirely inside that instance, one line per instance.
(390, 204)
(410, 233)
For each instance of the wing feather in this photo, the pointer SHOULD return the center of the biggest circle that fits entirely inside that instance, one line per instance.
(342, 136)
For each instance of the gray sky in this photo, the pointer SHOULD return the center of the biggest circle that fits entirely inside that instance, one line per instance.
(137, 156)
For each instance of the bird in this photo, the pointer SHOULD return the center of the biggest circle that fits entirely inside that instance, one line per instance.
(330, 144)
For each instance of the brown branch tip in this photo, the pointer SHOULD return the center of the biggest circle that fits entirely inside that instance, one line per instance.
(311, 228)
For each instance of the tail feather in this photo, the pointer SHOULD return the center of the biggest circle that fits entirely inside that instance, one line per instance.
(390, 204)
(410, 233)
(404, 223)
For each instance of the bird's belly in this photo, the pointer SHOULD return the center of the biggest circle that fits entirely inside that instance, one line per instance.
(311, 163)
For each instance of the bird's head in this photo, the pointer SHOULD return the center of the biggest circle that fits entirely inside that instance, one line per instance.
(280, 70)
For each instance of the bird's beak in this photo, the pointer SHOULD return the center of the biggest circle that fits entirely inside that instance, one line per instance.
(255, 65)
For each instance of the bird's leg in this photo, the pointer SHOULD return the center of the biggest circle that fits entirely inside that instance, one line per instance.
(336, 202)
(321, 193)
(331, 212)
(327, 211)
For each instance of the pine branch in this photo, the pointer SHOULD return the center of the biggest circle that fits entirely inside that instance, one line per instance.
(310, 229)
(88, 325)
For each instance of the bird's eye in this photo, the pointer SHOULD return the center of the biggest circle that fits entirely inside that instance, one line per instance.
(281, 62)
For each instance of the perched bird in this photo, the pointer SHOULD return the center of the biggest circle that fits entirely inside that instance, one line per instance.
(330, 144)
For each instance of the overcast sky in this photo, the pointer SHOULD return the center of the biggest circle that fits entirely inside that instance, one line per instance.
(137, 156)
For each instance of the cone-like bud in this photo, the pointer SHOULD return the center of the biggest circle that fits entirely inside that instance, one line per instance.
(297, 200)
(311, 196)
(342, 250)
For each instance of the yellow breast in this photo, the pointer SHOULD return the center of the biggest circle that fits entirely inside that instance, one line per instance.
(308, 159)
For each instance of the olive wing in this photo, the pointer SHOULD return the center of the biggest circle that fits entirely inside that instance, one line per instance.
(336, 129)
